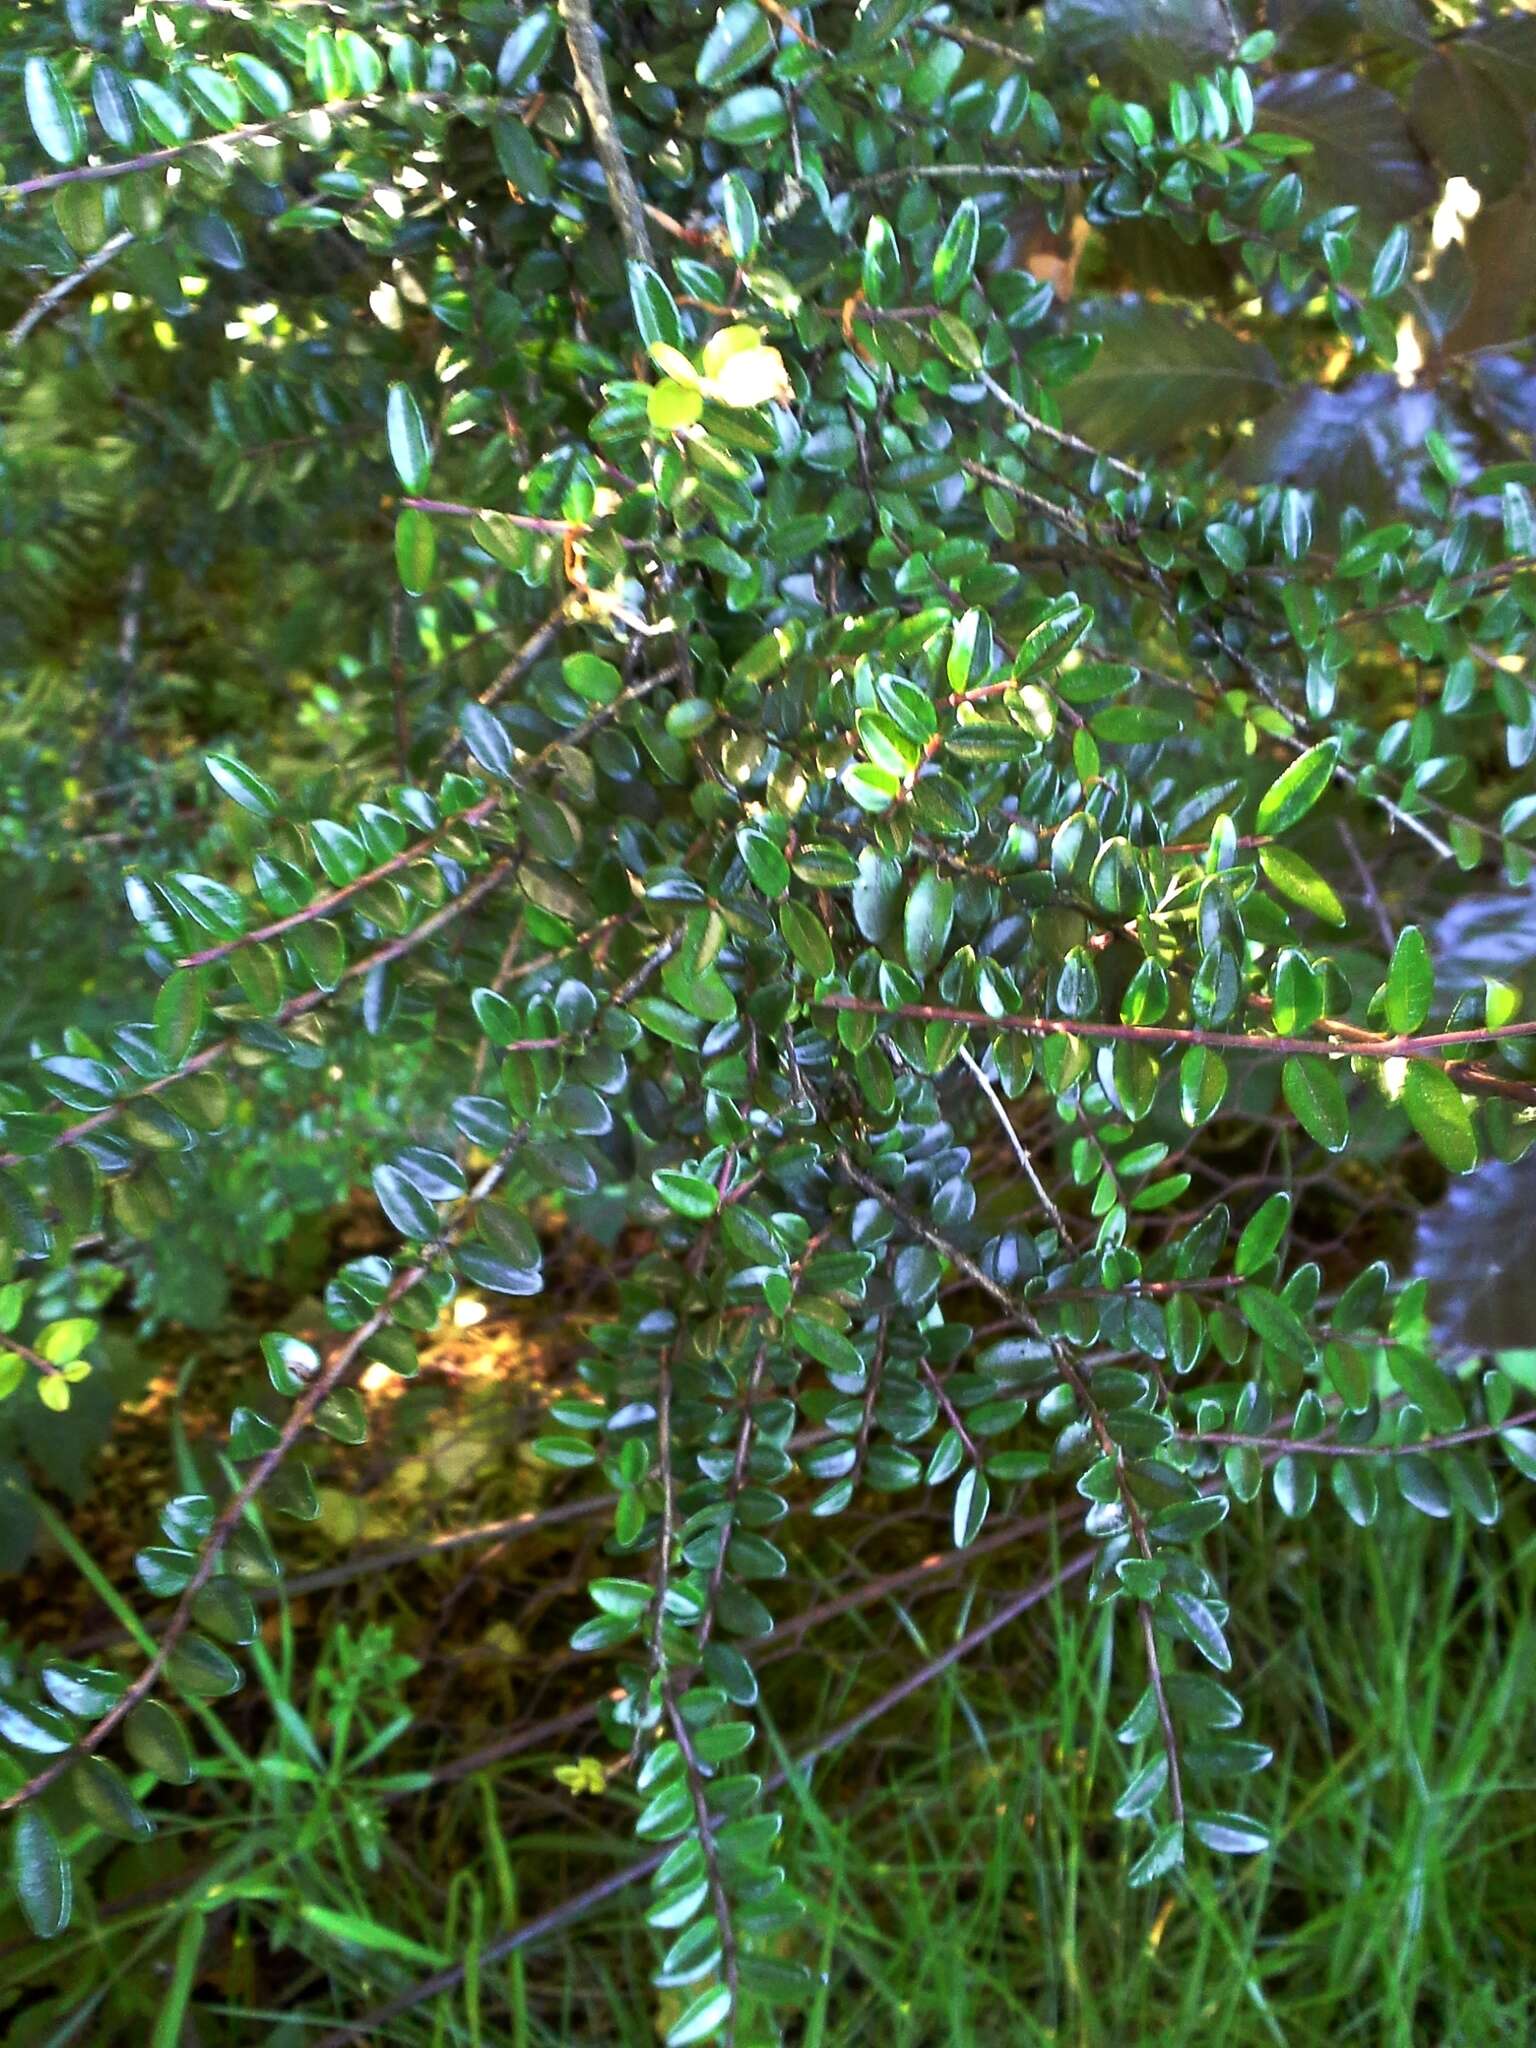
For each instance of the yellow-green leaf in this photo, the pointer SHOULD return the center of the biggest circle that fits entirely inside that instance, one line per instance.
(1441, 1115)
(670, 406)
(1300, 881)
(1293, 793)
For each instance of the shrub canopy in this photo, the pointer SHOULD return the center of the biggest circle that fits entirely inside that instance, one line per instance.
(822, 632)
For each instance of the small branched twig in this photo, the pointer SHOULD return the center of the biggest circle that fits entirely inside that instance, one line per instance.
(233, 1513)
(57, 293)
(1024, 1315)
(474, 893)
(1361, 1044)
(1020, 1149)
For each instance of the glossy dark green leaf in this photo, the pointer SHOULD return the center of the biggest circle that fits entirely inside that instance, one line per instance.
(972, 1499)
(36, 1729)
(955, 258)
(410, 445)
(54, 116)
(1274, 1321)
(1427, 1384)
(1203, 1082)
(164, 113)
(1301, 883)
(84, 1689)
(266, 88)
(202, 1670)
(590, 676)
(929, 915)
(740, 39)
(224, 1608)
(489, 1269)
(242, 785)
(112, 99)
(488, 740)
(527, 49)
(742, 225)
(40, 1873)
(1229, 1834)
(1391, 263)
(342, 1415)
(970, 651)
(1262, 1233)
(1165, 1854)
(765, 863)
(1202, 1628)
(807, 939)
(412, 1214)
(1144, 1789)
(105, 1800)
(754, 114)
(702, 2020)
(688, 1194)
(655, 310)
(1315, 1097)
(217, 99)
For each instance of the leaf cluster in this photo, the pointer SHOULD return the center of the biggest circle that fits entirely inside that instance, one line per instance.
(818, 748)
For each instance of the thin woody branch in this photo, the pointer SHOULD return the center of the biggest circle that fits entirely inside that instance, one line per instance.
(1368, 1046)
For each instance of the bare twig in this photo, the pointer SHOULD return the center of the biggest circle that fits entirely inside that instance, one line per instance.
(1059, 435)
(35, 1359)
(447, 508)
(1368, 888)
(57, 293)
(952, 32)
(587, 63)
(150, 159)
(1020, 1149)
(989, 174)
(1326, 1447)
(1164, 1717)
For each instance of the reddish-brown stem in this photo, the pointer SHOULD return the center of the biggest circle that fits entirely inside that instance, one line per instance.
(299, 1006)
(333, 899)
(476, 814)
(85, 174)
(1073, 1375)
(1326, 1447)
(950, 1412)
(1364, 1046)
(33, 1358)
(1164, 1716)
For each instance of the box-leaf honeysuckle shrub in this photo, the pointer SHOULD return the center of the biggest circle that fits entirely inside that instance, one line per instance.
(865, 717)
